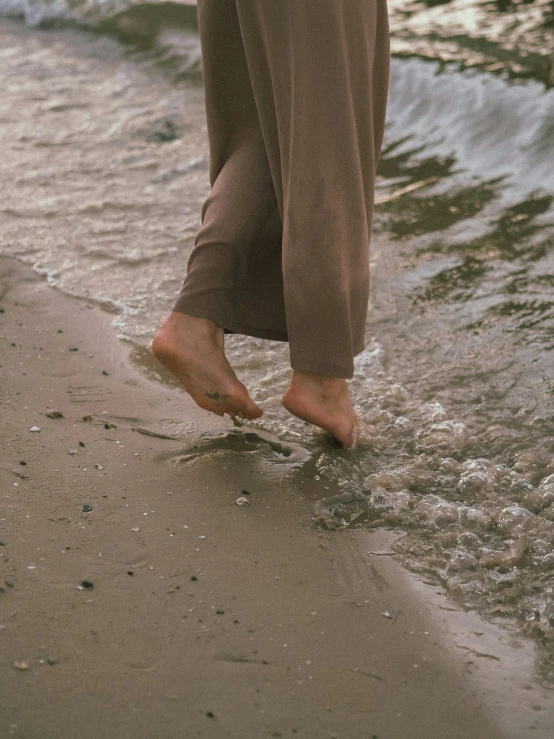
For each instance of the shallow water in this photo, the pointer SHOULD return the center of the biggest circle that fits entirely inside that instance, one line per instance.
(510, 38)
(104, 173)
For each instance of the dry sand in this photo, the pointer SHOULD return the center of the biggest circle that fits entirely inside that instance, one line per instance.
(205, 618)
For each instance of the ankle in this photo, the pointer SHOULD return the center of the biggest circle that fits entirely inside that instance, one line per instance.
(177, 326)
(325, 383)
(180, 334)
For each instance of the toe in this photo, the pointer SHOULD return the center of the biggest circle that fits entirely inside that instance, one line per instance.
(245, 406)
(251, 410)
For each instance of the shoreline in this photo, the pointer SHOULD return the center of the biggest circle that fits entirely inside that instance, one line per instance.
(201, 624)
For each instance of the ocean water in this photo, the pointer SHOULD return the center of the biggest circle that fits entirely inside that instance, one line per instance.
(513, 38)
(104, 172)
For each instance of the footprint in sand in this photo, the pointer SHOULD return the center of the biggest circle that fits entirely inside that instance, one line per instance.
(257, 443)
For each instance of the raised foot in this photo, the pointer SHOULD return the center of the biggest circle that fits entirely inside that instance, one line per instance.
(325, 402)
(193, 350)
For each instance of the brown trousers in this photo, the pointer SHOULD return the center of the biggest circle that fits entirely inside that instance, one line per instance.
(295, 95)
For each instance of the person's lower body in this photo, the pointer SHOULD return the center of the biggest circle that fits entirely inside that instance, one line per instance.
(295, 102)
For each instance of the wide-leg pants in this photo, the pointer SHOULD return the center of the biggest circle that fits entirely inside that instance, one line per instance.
(295, 96)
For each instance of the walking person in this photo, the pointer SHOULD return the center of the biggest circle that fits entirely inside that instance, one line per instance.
(295, 96)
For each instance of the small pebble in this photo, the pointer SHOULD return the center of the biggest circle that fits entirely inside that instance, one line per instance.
(386, 614)
(242, 501)
(81, 443)
(194, 578)
(21, 665)
(201, 537)
(98, 466)
(21, 461)
(73, 348)
(87, 508)
(54, 414)
(104, 372)
(35, 428)
(85, 585)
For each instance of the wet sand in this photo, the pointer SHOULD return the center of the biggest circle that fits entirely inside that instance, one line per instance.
(202, 617)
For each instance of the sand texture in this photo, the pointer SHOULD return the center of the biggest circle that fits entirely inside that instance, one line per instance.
(205, 618)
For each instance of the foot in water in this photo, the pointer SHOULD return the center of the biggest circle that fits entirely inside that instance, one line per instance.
(193, 350)
(325, 402)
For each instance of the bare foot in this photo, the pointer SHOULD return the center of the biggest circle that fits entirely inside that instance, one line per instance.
(325, 402)
(193, 350)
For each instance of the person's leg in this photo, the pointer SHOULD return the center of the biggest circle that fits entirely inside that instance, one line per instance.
(234, 270)
(240, 202)
(319, 73)
(190, 343)
(320, 78)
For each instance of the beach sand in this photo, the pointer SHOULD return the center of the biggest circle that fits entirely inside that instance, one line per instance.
(203, 618)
